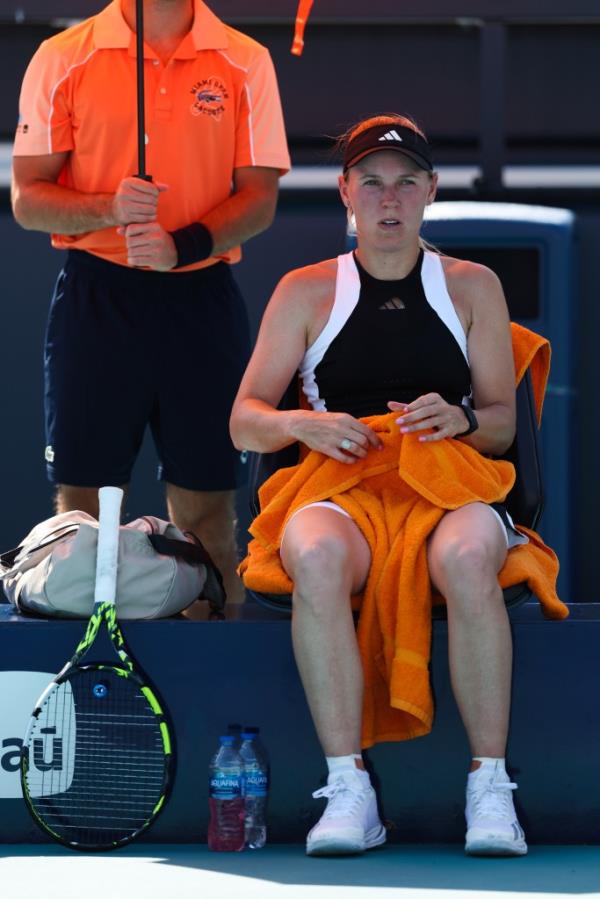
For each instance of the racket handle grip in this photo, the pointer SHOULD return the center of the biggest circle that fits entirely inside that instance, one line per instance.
(109, 499)
(143, 178)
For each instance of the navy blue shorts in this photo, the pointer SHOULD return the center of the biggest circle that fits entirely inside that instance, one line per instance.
(126, 348)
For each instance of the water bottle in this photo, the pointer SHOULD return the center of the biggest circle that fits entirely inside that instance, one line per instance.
(226, 799)
(260, 750)
(259, 746)
(256, 789)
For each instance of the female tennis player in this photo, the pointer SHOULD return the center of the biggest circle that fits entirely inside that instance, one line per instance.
(391, 328)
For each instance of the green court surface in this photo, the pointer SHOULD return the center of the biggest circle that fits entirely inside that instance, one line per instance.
(192, 872)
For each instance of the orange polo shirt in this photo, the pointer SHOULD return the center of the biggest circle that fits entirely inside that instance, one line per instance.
(213, 108)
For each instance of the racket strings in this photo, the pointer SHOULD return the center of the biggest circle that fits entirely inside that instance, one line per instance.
(97, 759)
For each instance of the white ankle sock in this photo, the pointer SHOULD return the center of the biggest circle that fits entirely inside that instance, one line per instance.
(487, 762)
(338, 763)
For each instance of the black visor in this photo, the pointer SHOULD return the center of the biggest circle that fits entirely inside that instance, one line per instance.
(389, 137)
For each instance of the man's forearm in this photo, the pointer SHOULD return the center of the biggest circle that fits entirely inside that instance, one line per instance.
(243, 215)
(49, 207)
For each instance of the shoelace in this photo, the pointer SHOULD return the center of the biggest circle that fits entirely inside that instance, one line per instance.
(492, 800)
(343, 800)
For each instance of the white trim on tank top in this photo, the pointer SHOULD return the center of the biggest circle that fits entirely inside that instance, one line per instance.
(434, 284)
(347, 292)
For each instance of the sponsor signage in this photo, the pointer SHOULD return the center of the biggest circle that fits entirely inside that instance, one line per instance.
(19, 692)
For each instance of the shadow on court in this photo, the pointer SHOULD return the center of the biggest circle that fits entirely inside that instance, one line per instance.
(547, 869)
(149, 871)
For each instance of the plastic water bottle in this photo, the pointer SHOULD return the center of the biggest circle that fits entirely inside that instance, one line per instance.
(259, 746)
(256, 791)
(226, 799)
(260, 750)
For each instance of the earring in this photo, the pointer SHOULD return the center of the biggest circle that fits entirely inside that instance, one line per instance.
(351, 222)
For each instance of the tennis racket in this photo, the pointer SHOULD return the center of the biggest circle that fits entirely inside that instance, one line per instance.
(97, 756)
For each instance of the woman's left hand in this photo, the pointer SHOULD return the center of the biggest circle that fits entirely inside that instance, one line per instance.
(430, 411)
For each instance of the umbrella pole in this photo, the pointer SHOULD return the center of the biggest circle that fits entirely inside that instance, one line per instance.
(139, 60)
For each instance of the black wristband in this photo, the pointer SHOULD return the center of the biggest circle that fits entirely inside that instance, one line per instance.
(193, 243)
(473, 424)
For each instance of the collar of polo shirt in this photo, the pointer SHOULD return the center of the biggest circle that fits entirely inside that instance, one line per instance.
(111, 30)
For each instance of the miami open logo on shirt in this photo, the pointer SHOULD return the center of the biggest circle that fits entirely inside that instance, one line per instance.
(210, 97)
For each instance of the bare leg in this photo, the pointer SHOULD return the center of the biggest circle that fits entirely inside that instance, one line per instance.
(466, 551)
(211, 516)
(328, 559)
(83, 499)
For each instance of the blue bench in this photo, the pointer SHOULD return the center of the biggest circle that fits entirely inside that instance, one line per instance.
(242, 669)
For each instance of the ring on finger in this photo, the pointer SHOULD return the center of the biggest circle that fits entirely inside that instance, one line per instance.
(346, 444)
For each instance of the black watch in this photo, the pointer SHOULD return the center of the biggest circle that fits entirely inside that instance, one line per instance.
(471, 418)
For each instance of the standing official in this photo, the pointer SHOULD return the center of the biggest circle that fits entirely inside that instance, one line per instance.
(147, 325)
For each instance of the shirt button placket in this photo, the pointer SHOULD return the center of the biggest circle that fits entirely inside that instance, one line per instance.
(163, 97)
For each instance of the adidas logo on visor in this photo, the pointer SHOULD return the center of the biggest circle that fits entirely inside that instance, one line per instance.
(391, 135)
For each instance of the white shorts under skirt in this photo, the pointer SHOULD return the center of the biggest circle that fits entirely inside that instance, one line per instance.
(512, 535)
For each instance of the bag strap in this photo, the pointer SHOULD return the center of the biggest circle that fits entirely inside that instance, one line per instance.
(195, 553)
(7, 559)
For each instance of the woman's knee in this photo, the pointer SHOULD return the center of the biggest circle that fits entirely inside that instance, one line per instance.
(323, 557)
(464, 566)
(321, 563)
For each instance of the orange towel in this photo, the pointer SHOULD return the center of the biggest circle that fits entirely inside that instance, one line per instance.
(397, 496)
(531, 351)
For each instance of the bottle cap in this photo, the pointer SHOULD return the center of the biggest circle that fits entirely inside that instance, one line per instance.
(252, 730)
(248, 735)
(227, 740)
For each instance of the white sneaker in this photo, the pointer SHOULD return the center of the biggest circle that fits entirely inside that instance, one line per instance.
(350, 823)
(492, 824)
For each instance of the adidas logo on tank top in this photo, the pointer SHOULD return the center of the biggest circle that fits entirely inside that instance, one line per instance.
(394, 303)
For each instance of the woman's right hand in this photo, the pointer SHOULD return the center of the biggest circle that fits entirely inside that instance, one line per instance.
(336, 434)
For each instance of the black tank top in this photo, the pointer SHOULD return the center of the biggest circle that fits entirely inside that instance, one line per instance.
(393, 346)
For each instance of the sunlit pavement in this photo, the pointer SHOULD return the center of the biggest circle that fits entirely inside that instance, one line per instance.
(147, 871)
